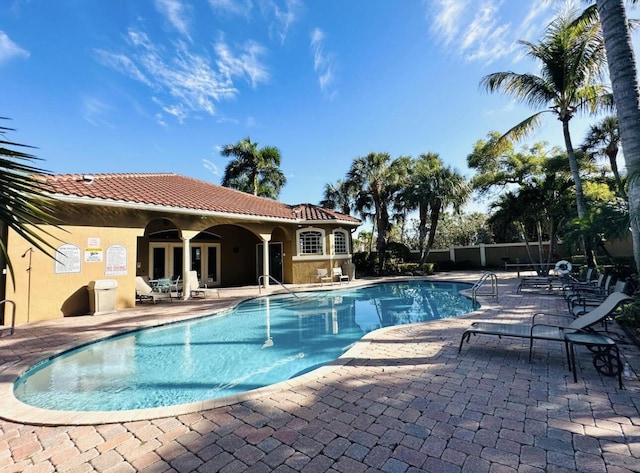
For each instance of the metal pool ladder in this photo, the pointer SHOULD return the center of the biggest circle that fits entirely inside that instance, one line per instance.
(486, 276)
(271, 278)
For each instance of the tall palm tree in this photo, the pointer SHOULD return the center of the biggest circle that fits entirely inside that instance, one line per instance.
(571, 56)
(431, 189)
(23, 201)
(254, 171)
(624, 83)
(603, 139)
(378, 179)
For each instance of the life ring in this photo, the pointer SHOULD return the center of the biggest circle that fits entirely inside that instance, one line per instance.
(563, 267)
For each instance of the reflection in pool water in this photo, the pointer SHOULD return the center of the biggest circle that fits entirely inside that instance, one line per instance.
(260, 342)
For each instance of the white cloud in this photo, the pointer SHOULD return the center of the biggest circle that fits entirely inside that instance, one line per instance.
(190, 81)
(176, 13)
(322, 64)
(93, 110)
(486, 30)
(121, 63)
(246, 63)
(283, 16)
(447, 16)
(9, 49)
(210, 166)
(160, 120)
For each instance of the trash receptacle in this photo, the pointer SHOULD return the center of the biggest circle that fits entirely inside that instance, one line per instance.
(102, 296)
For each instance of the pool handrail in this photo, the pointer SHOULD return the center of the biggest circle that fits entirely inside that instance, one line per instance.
(478, 284)
(11, 327)
(261, 279)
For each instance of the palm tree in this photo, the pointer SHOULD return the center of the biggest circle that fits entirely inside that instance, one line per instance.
(338, 197)
(377, 179)
(624, 84)
(571, 57)
(603, 139)
(23, 200)
(432, 188)
(254, 171)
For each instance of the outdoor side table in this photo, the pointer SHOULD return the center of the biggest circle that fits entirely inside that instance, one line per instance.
(606, 357)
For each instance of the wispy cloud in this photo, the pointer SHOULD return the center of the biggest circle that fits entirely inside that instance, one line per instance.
(210, 166)
(176, 12)
(278, 14)
(94, 110)
(185, 81)
(478, 31)
(283, 16)
(10, 50)
(234, 7)
(322, 64)
(245, 63)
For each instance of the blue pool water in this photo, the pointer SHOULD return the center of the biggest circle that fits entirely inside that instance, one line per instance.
(261, 342)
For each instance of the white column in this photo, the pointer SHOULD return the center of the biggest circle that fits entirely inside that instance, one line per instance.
(483, 255)
(186, 267)
(265, 261)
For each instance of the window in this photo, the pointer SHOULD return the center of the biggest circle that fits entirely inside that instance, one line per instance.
(310, 242)
(340, 242)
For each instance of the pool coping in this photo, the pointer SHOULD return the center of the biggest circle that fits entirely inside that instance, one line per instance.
(12, 409)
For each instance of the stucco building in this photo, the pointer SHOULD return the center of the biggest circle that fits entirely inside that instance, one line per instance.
(119, 226)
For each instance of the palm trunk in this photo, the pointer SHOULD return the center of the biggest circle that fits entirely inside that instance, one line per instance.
(435, 216)
(577, 181)
(624, 82)
(422, 233)
(575, 170)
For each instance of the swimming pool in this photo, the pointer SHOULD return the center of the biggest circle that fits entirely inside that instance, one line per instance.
(261, 342)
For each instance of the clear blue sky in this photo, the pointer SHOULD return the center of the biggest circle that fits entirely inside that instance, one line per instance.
(161, 85)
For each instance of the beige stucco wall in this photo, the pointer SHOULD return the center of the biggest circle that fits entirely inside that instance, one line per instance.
(41, 293)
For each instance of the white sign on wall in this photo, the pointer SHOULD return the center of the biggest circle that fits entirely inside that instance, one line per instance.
(116, 261)
(93, 255)
(68, 259)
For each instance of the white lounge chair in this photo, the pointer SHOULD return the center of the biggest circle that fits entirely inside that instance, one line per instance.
(322, 275)
(337, 273)
(145, 293)
(196, 291)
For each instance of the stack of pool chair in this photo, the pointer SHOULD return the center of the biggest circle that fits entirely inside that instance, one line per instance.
(587, 302)
(572, 282)
(579, 287)
(596, 289)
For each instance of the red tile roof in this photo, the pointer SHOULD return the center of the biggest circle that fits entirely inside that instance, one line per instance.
(182, 193)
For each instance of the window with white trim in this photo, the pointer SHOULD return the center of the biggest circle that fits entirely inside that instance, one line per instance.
(340, 240)
(310, 242)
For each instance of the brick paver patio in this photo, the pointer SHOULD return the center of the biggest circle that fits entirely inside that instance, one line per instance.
(403, 400)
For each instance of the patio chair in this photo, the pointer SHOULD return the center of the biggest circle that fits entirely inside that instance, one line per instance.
(538, 331)
(337, 274)
(587, 302)
(600, 289)
(322, 275)
(195, 290)
(145, 293)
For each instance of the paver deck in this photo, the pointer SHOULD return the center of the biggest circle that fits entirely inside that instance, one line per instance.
(402, 400)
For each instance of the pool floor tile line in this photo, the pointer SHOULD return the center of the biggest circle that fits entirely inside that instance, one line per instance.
(401, 400)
